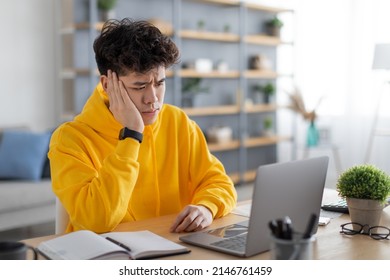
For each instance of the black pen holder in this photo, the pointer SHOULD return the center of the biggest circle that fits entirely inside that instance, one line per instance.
(296, 248)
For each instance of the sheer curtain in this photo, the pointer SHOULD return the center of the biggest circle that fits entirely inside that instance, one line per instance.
(333, 54)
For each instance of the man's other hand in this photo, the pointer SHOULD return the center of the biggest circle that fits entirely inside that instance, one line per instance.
(192, 218)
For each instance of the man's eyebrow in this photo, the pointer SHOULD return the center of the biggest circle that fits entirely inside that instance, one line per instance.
(140, 83)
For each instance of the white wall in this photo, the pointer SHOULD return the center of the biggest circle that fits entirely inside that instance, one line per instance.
(334, 44)
(27, 72)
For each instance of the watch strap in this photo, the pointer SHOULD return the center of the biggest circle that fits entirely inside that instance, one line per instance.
(129, 133)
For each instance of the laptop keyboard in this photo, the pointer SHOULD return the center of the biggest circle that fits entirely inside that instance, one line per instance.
(236, 243)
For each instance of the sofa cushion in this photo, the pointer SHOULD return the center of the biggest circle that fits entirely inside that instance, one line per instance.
(23, 154)
(19, 195)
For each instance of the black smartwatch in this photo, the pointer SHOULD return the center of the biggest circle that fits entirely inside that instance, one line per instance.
(125, 133)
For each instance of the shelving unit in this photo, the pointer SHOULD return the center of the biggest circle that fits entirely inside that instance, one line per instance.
(230, 89)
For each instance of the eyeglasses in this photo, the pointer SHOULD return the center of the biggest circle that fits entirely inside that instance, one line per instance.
(377, 232)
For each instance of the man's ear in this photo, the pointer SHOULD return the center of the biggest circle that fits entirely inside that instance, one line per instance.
(104, 81)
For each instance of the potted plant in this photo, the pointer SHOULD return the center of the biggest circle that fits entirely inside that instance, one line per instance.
(226, 28)
(191, 88)
(106, 9)
(201, 24)
(267, 126)
(267, 90)
(273, 26)
(365, 188)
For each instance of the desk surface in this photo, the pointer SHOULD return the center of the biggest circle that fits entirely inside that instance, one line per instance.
(329, 244)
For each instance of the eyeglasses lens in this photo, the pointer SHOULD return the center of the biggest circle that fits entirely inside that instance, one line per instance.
(351, 228)
(379, 232)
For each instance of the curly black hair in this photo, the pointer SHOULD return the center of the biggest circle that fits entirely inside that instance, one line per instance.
(133, 46)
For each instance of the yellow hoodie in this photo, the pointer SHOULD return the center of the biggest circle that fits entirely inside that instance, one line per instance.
(103, 182)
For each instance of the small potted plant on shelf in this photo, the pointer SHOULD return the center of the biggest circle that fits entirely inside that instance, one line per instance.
(273, 26)
(201, 25)
(226, 28)
(267, 126)
(192, 88)
(106, 9)
(365, 188)
(266, 90)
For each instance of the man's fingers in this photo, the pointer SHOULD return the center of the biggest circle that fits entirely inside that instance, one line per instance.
(125, 97)
(192, 218)
(113, 96)
(194, 225)
(179, 219)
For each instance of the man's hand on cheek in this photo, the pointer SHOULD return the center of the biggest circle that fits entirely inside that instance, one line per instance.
(121, 105)
(192, 218)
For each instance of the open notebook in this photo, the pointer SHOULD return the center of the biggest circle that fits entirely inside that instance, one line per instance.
(87, 245)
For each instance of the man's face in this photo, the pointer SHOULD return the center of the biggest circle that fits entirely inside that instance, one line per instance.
(147, 91)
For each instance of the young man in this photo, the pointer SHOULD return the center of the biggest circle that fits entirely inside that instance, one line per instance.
(127, 156)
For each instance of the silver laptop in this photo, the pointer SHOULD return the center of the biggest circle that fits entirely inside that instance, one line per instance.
(292, 189)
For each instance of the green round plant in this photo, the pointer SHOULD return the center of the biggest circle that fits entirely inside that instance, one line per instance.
(106, 5)
(275, 22)
(364, 182)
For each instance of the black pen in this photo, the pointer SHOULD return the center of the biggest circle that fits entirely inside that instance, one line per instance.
(279, 229)
(118, 243)
(273, 226)
(310, 226)
(288, 232)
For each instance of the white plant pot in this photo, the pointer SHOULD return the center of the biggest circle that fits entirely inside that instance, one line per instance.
(365, 211)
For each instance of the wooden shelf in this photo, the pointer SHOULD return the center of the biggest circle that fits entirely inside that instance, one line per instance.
(86, 25)
(260, 74)
(266, 8)
(235, 177)
(260, 39)
(190, 73)
(209, 36)
(260, 108)
(247, 5)
(97, 26)
(220, 2)
(249, 176)
(214, 110)
(169, 73)
(69, 30)
(264, 141)
(71, 73)
(218, 147)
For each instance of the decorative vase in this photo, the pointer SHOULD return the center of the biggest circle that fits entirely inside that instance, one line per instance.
(365, 211)
(312, 135)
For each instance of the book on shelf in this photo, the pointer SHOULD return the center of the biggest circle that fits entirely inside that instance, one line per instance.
(87, 245)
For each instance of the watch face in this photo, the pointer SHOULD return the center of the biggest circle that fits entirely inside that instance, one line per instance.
(122, 134)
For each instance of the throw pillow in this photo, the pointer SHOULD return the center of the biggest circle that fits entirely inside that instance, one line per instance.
(22, 154)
